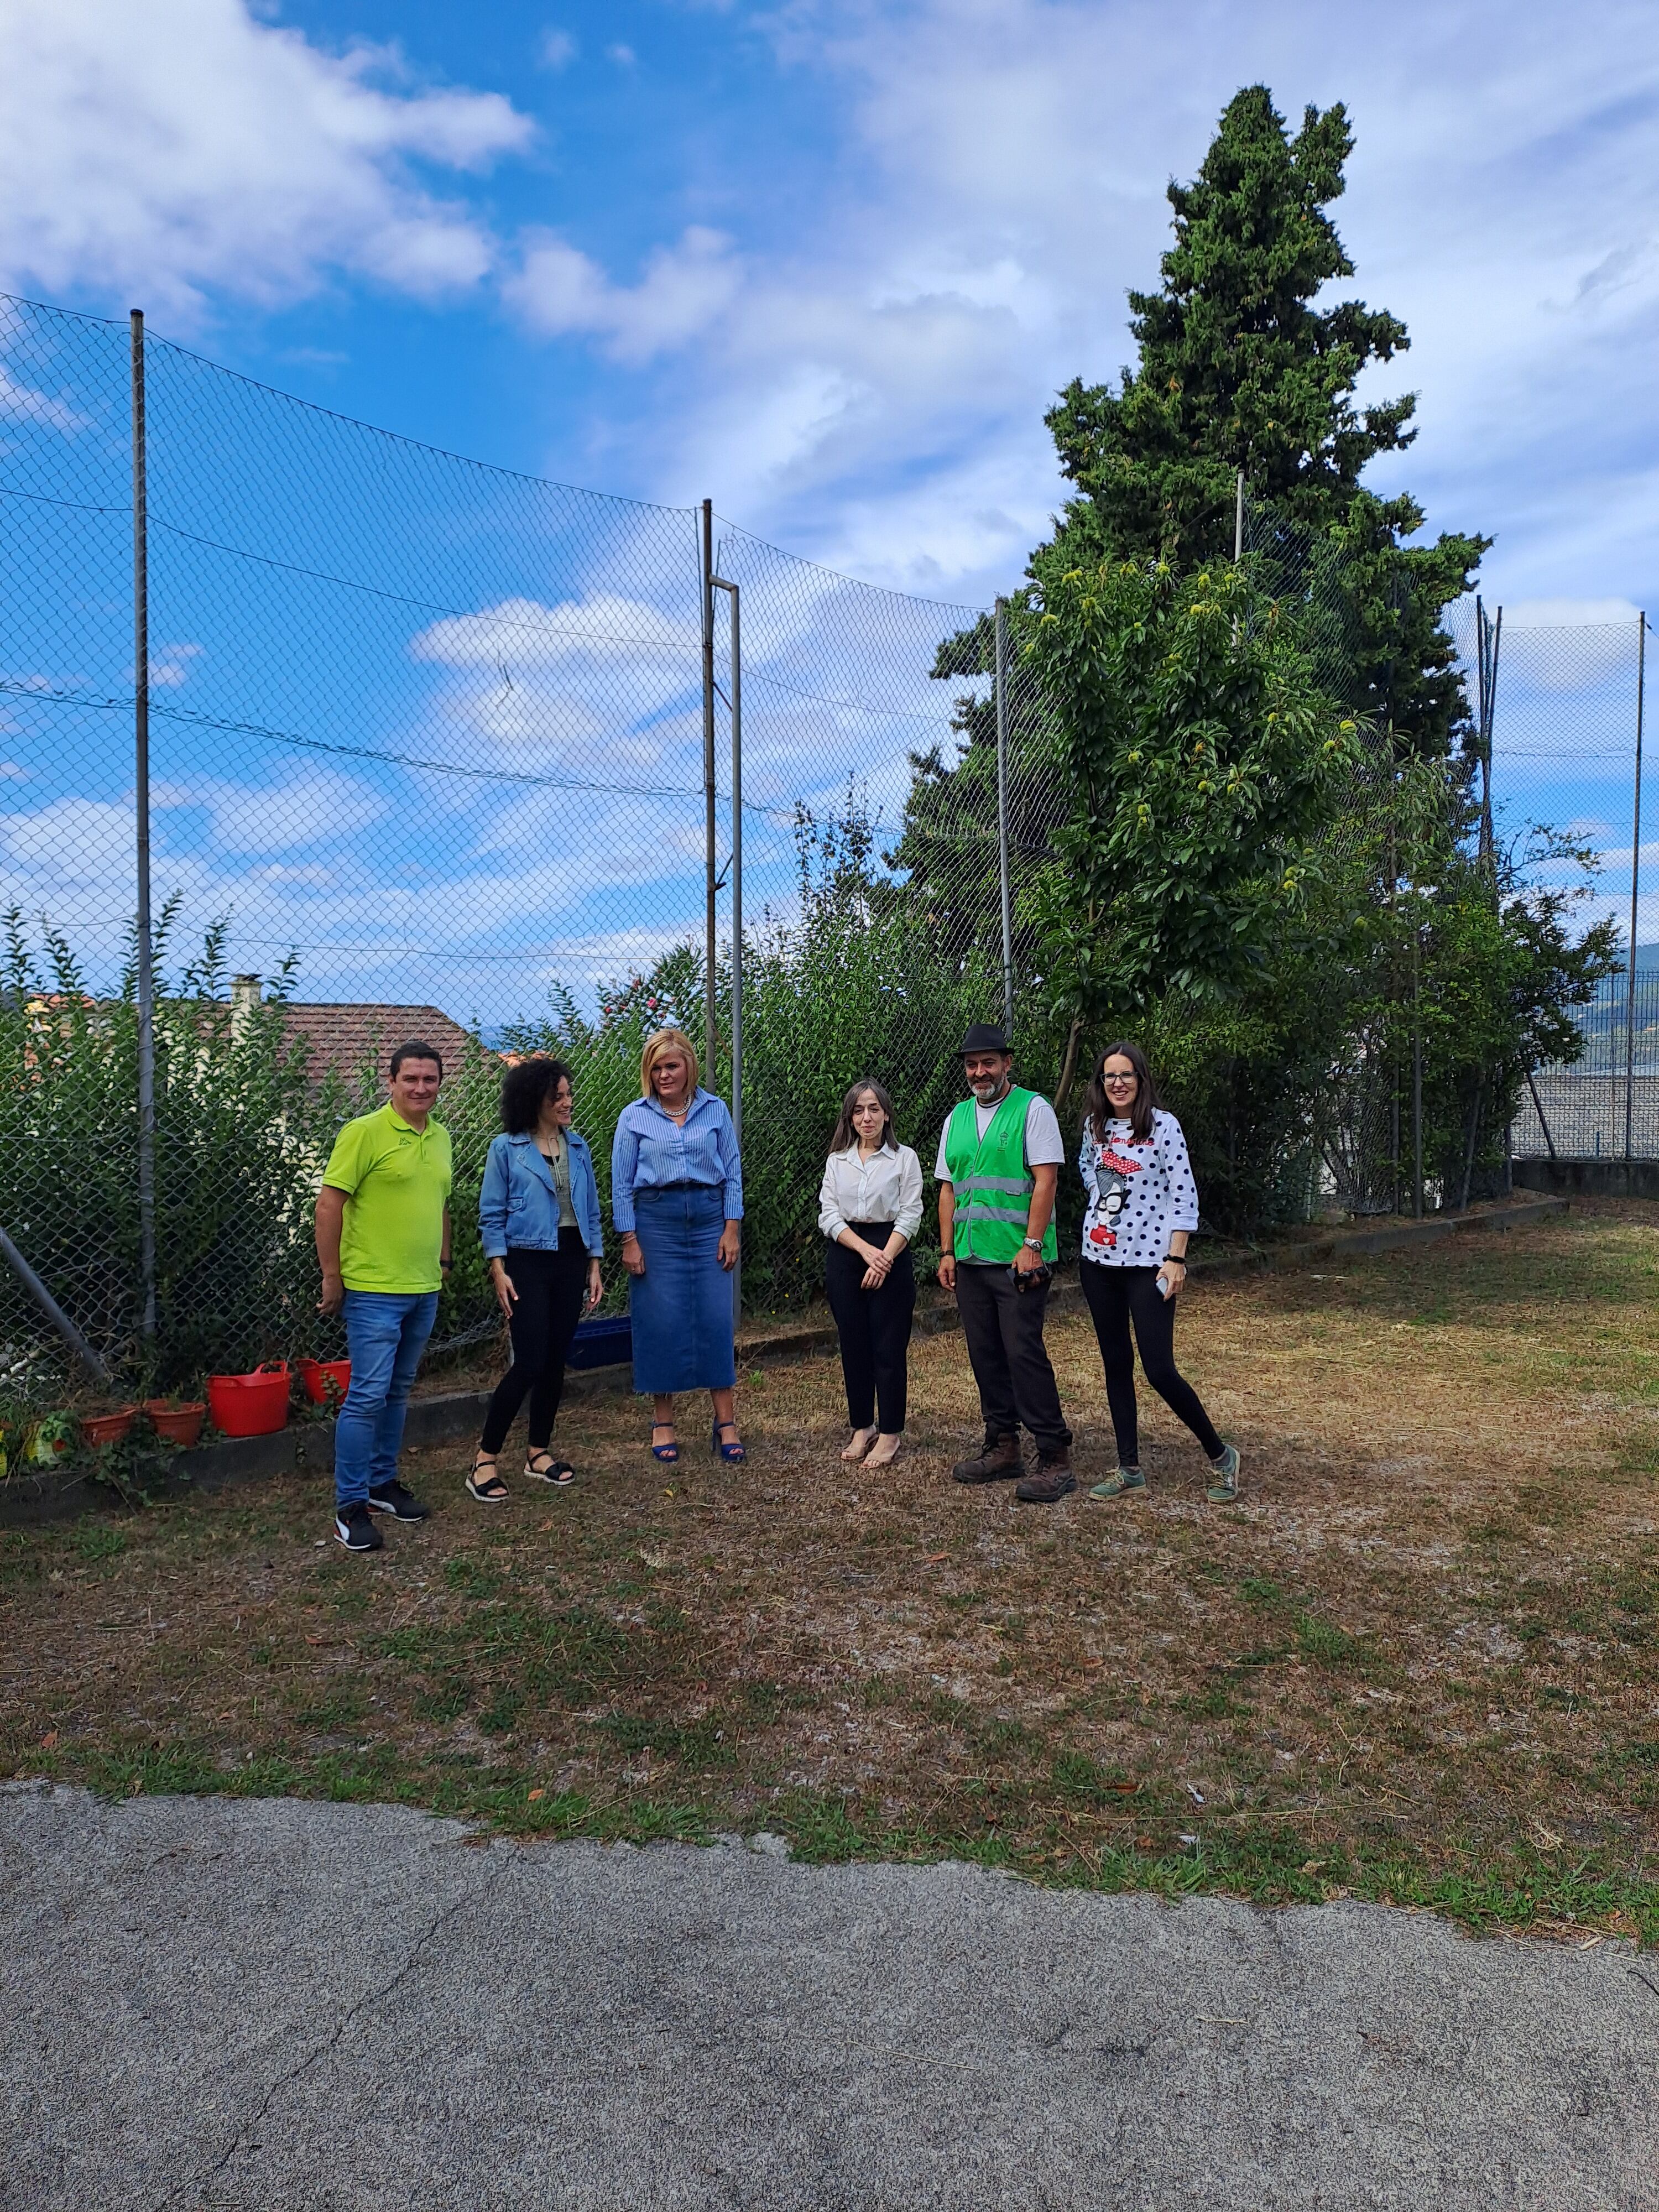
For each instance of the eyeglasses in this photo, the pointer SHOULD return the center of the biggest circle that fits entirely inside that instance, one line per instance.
(1118, 1082)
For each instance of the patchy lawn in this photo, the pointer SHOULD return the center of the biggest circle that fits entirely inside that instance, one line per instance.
(1416, 1662)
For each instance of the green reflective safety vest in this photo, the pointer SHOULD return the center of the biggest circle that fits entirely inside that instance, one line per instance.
(992, 1182)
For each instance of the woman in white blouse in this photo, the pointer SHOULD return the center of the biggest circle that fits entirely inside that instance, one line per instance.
(869, 1207)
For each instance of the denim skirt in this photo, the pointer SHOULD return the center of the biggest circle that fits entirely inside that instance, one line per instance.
(681, 1306)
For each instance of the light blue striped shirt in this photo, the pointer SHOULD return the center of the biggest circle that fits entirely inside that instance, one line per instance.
(650, 1150)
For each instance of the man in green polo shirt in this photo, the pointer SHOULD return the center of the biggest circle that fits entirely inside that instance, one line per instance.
(383, 1245)
(1000, 1158)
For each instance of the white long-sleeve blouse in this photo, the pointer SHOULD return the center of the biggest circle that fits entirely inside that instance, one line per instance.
(885, 1187)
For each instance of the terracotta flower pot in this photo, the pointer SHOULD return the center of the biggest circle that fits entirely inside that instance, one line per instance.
(175, 1424)
(97, 1429)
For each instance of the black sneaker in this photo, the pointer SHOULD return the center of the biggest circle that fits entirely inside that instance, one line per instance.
(354, 1525)
(402, 1505)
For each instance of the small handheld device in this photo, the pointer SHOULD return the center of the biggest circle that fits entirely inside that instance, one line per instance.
(1031, 1279)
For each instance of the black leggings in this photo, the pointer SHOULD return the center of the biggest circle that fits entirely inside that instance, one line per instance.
(1115, 1296)
(874, 1328)
(551, 1286)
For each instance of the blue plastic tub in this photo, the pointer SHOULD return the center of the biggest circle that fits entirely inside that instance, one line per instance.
(606, 1343)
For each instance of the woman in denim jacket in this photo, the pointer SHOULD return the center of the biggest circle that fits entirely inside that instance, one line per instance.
(538, 1213)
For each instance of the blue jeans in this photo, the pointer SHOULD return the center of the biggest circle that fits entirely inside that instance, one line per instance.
(385, 1335)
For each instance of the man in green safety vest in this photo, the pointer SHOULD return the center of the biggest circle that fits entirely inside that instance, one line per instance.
(998, 1165)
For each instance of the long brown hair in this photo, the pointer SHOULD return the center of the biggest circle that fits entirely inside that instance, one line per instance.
(845, 1133)
(1098, 1109)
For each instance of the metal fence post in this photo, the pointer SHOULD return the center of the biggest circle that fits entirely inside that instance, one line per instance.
(735, 702)
(146, 976)
(1000, 631)
(710, 1035)
(1635, 883)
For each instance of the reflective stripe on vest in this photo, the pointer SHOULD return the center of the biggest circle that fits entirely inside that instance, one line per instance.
(992, 1209)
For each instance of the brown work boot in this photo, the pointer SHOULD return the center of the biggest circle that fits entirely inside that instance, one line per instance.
(1053, 1479)
(999, 1462)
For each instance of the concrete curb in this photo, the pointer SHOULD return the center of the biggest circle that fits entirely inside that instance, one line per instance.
(1591, 1178)
(451, 1416)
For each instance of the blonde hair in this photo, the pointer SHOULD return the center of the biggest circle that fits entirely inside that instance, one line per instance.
(664, 1042)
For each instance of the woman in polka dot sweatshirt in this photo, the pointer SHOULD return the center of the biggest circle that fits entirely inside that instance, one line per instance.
(1143, 1206)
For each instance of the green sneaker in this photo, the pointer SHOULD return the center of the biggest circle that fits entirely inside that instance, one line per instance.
(1224, 1490)
(1127, 1477)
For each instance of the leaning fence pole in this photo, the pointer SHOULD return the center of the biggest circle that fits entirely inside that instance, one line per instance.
(53, 1312)
(736, 702)
(146, 973)
(709, 1033)
(1635, 884)
(1000, 632)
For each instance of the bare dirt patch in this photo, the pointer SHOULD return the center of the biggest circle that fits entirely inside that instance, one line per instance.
(1417, 1660)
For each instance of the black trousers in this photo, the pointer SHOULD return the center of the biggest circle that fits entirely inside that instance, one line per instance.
(551, 1286)
(874, 1327)
(1115, 1296)
(1003, 1329)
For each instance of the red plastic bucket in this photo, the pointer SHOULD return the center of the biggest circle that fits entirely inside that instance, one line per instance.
(250, 1405)
(317, 1374)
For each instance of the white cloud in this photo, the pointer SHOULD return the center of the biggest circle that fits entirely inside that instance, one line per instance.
(185, 147)
(304, 806)
(1570, 614)
(555, 50)
(170, 664)
(625, 57)
(560, 291)
(871, 385)
(21, 403)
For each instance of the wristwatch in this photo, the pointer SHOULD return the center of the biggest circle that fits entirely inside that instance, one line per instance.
(1033, 1244)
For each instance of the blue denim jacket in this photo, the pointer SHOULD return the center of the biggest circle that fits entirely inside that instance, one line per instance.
(518, 1205)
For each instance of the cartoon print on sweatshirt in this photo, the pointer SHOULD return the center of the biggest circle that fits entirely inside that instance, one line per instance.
(1112, 1172)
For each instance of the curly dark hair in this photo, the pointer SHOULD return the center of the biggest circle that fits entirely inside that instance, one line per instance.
(523, 1088)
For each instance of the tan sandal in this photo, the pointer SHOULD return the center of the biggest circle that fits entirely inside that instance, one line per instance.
(884, 1450)
(493, 1490)
(862, 1440)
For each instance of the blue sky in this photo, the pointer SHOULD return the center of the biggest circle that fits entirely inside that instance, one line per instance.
(827, 264)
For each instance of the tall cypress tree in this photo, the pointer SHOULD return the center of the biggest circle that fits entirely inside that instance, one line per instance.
(1238, 368)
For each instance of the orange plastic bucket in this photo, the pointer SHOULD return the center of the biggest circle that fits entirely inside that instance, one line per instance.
(250, 1405)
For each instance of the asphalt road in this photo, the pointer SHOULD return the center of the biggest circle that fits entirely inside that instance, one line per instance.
(206, 2003)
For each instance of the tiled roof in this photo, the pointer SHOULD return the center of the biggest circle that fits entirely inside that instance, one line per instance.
(345, 1040)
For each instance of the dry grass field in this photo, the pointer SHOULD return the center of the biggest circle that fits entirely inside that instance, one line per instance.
(1419, 1660)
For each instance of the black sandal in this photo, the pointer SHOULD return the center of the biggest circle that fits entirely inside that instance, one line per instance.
(493, 1491)
(549, 1469)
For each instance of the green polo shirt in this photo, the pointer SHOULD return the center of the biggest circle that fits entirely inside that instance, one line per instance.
(398, 1181)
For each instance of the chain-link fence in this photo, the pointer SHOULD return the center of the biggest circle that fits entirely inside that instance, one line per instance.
(1544, 773)
(427, 754)
(1566, 753)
